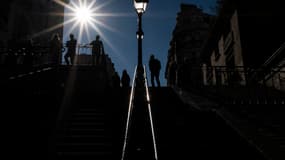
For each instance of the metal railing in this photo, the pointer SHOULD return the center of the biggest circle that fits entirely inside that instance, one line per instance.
(36, 55)
(130, 110)
(276, 55)
(150, 116)
(129, 117)
(242, 76)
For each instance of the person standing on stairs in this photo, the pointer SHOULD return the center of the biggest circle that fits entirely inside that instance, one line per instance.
(97, 51)
(154, 67)
(125, 79)
(71, 50)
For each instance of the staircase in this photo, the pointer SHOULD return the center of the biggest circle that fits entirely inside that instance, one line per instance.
(91, 121)
(90, 125)
(257, 113)
(184, 132)
(70, 107)
(94, 129)
(262, 124)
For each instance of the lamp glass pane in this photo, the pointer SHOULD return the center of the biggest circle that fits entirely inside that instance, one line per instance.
(140, 6)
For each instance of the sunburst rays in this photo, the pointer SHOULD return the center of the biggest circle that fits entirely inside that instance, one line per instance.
(100, 22)
(87, 16)
(83, 16)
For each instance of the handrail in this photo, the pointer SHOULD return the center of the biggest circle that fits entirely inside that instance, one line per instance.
(130, 110)
(274, 55)
(279, 66)
(150, 116)
(29, 73)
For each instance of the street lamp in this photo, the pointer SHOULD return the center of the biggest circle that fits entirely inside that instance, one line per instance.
(140, 6)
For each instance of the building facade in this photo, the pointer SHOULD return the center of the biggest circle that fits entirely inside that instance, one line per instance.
(26, 30)
(188, 37)
(244, 36)
(30, 19)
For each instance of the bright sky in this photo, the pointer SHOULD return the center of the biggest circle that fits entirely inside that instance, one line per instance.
(117, 25)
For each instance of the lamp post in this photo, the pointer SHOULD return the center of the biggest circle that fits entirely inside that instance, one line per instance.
(140, 6)
(139, 144)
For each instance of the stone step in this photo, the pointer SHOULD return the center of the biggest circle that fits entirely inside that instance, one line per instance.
(81, 144)
(88, 131)
(84, 147)
(84, 155)
(89, 114)
(87, 124)
(89, 117)
(90, 121)
(86, 136)
(102, 139)
(95, 111)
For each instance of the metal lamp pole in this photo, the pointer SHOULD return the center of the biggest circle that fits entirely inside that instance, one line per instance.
(140, 6)
(140, 37)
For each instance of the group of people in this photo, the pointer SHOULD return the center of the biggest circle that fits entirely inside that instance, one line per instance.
(154, 67)
(56, 49)
(97, 52)
(123, 82)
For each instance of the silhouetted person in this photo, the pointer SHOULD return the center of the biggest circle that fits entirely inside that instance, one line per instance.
(125, 79)
(71, 50)
(154, 67)
(55, 50)
(97, 50)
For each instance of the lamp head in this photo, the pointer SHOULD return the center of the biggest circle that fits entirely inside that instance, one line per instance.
(140, 6)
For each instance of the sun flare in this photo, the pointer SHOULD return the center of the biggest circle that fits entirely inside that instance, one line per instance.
(83, 15)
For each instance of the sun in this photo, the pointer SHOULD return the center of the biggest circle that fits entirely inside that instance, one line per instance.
(83, 15)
